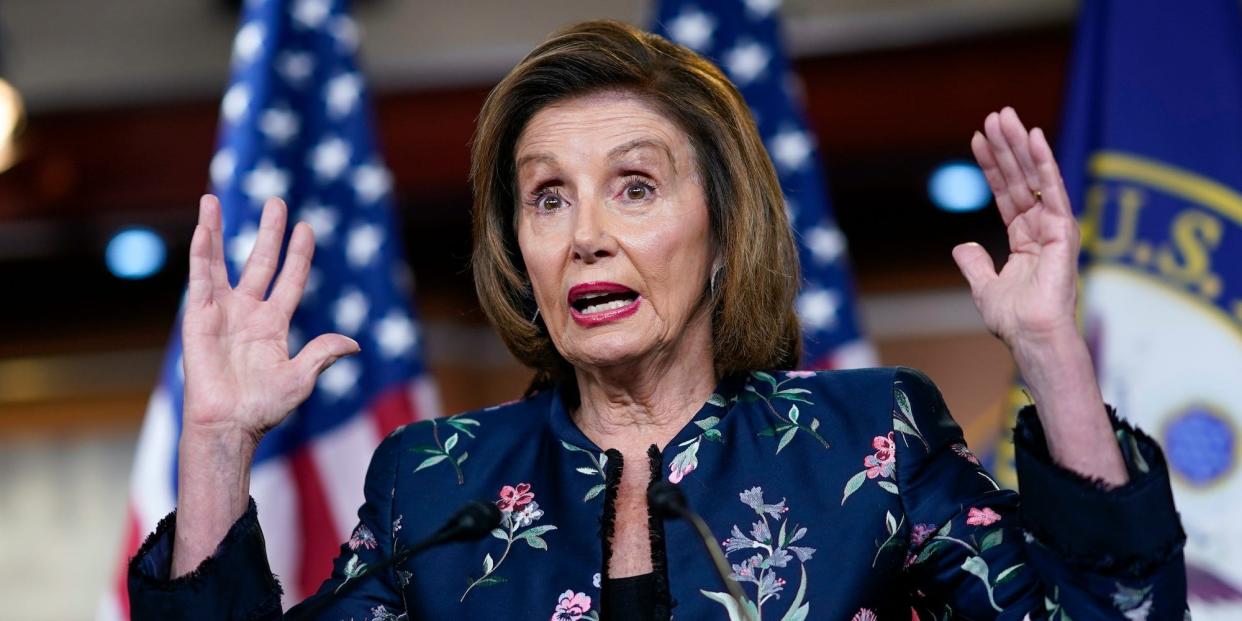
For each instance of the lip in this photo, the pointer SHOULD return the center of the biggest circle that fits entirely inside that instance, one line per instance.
(595, 319)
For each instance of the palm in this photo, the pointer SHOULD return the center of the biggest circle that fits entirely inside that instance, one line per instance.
(1034, 293)
(238, 373)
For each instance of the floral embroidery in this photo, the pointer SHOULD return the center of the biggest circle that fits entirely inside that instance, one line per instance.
(518, 510)
(894, 528)
(687, 460)
(864, 614)
(982, 517)
(964, 452)
(443, 451)
(380, 613)
(882, 463)
(975, 563)
(354, 567)
(1134, 604)
(572, 606)
(769, 554)
(787, 425)
(918, 535)
(595, 469)
(362, 538)
(512, 498)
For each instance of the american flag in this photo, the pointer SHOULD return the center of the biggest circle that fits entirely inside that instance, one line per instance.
(743, 38)
(295, 123)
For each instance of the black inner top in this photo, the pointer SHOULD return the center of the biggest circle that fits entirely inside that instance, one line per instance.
(629, 599)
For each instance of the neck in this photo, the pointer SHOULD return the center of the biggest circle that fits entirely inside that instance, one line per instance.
(635, 405)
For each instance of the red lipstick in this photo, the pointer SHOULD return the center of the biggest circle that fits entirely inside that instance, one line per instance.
(597, 303)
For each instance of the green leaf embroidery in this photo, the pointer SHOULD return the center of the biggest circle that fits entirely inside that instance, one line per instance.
(798, 610)
(500, 534)
(793, 413)
(488, 564)
(536, 531)
(431, 461)
(463, 457)
(718, 401)
(853, 484)
(593, 492)
(707, 423)
(490, 581)
(765, 377)
(713, 435)
(450, 443)
(890, 522)
(587, 470)
(785, 439)
(978, 567)
(814, 424)
(536, 543)
(991, 540)
(888, 487)
(1006, 575)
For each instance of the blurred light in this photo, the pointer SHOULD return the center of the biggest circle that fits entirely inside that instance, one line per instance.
(134, 253)
(959, 186)
(11, 114)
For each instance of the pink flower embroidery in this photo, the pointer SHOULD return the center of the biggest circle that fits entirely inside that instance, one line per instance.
(965, 453)
(982, 517)
(512, 498)
(882, 463)
(678, 471)
(865, 614)
(799, 374)
(362, 538)
(571, 606)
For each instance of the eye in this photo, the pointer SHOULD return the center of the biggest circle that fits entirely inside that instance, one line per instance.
(638, 190)
(546, 199)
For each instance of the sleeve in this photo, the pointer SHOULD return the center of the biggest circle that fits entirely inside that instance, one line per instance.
(236, 582)
(1068, 549)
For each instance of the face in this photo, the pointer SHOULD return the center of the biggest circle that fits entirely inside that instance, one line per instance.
(613, 227)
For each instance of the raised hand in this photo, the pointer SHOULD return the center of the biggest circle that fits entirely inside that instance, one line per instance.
(238, 373)
(1033, 296)
(1030, 303)
(239, 379)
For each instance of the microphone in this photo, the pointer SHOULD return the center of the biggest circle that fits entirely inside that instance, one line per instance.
(668, 502)
(472, 521)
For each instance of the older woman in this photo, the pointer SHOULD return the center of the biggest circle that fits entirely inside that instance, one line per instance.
(632, 248)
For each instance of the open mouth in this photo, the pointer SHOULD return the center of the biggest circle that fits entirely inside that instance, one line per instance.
(604, 301)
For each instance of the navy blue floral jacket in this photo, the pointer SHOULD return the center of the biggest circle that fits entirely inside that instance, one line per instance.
(835, 495)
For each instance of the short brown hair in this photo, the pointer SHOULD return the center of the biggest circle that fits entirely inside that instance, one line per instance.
(753, 321)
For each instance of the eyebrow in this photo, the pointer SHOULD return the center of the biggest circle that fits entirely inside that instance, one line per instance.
(642, 143)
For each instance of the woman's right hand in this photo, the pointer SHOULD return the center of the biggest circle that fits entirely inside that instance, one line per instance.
(239, 378)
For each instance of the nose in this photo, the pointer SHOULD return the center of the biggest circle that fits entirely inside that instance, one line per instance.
(592, 239)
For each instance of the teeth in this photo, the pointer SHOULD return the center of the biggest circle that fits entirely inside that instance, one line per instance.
(589, 296)
(606, 306)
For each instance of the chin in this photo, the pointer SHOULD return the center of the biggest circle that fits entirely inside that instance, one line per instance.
(607, 349)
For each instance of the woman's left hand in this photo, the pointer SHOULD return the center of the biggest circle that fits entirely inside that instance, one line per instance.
(1032, 299)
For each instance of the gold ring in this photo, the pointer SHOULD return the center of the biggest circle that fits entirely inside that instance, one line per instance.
(1037, 195)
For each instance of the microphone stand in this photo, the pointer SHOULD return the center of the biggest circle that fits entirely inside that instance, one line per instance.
(472, 521)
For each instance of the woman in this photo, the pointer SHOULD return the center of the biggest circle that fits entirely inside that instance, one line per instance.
(631, 246)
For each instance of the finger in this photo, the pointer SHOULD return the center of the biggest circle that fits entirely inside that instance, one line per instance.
(1015, 133)
(1052, 186)
(976, 265)
(209, 216)
(198, 292)
(266, 253)
(321, 352)
(292, 279)
(1015, 181)
(991, 172)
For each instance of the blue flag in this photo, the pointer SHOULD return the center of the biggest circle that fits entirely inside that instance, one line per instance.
(295, 123)
(743, 38)
(1152, 156)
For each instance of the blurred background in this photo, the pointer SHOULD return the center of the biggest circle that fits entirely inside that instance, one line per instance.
(118, 105)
